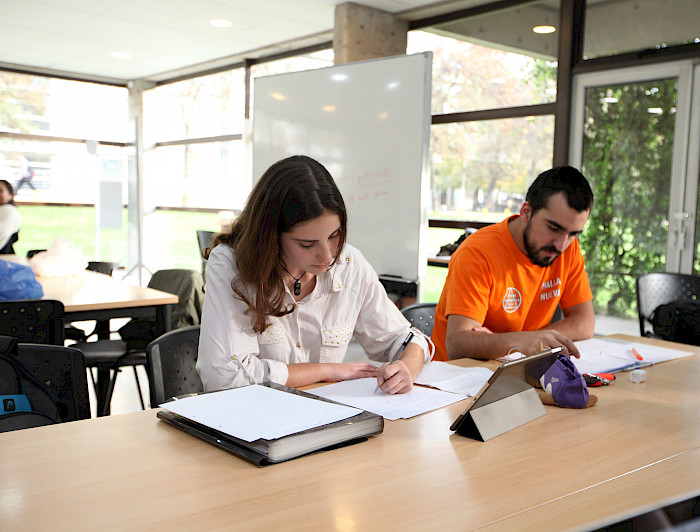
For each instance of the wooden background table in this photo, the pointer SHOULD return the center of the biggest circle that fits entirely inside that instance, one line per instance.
(134, 472)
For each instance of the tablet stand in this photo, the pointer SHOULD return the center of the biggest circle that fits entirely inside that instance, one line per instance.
(490, 420)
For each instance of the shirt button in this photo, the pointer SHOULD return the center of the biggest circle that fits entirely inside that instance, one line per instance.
(298, 346)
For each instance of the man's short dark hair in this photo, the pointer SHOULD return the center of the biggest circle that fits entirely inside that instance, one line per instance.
(566, 179)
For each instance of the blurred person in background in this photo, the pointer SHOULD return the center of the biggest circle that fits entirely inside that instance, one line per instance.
(9, 218)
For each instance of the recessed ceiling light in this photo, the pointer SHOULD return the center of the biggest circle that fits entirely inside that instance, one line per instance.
(121, 55)
(220, 23)
(544, 29)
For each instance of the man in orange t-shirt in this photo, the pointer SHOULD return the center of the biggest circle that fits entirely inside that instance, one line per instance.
(505, 281)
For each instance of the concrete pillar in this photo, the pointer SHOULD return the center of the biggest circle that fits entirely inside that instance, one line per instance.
(362, 32)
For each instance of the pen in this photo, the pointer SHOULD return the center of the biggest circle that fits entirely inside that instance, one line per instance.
(636, 354)
(398, 353)
(633, 365)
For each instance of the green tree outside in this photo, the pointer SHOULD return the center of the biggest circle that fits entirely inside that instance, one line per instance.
(627, 157)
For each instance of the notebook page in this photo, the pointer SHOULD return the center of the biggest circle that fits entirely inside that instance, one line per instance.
(360, 394)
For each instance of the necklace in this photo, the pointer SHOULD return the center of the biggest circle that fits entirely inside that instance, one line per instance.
(297, 282)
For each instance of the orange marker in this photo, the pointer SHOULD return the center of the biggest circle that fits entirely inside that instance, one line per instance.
(636, 354)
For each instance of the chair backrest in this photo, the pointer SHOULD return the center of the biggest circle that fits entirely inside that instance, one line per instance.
(33, 252)
(421, 316)
(654, 289)
(36, 321)
(102, 267)
(188, 286)
(170, 364)
(62, 370)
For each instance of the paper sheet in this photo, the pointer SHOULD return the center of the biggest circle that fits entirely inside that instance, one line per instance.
(360, 394)
(600, 356)
(253, 412)
(451, 378)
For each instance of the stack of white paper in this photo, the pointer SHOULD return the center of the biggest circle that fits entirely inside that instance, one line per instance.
(360, 394)
(451, 378)
(254, 412)
(609, 355)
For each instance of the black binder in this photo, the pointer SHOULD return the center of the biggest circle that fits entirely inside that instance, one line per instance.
(266, 452)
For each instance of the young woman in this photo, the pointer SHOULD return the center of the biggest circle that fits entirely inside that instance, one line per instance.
(9, 218)
(285, 293)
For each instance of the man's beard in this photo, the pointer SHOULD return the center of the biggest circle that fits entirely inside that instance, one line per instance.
(532, 253)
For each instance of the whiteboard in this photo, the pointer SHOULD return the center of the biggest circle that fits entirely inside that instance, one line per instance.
(368, 123)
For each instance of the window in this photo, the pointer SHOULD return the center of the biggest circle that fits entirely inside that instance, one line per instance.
(206, 106)
(617, 26)
(62, 197)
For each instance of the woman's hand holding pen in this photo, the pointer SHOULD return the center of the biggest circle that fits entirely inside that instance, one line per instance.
(398, 377)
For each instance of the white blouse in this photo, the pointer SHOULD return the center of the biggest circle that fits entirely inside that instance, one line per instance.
(9, 222)
(347, 300)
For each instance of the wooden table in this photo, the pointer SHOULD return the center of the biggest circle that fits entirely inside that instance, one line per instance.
(133, 472)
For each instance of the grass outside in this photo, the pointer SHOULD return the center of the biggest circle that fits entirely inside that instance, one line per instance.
(170, 239)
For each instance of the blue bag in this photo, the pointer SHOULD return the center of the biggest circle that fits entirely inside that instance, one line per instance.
(18, 282)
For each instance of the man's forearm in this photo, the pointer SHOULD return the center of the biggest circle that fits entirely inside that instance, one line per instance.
(472, 344)
(578, 322)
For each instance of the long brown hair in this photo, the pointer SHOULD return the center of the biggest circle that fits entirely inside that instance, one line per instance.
(293, 190)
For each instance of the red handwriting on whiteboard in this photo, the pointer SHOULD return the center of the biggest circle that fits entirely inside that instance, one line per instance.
(368, 184)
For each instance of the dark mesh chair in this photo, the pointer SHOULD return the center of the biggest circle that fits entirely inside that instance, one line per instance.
(170, 363)
(654, 289)
(74, 333)
(36, 321)
(62, 370)
(421, 316)
(33, 252)
(102, 267)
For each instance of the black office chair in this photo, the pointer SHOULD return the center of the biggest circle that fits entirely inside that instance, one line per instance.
(62, 370)
(654, 289)
(33, 252)
(74, 333)
(36, 321)
(112, 355)
(102, 267)
(170, 363)
(204, 240)
(421, 316)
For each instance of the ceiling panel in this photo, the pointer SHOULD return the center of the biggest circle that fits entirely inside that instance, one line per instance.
(164, 36)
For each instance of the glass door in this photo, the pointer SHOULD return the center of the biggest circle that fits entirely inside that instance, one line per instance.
(631, 134)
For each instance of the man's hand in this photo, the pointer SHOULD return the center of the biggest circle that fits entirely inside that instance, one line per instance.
(535, 341)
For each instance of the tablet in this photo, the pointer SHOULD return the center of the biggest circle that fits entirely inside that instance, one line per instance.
(511, 378)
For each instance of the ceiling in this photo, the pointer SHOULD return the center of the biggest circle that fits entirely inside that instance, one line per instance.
(166, 38)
